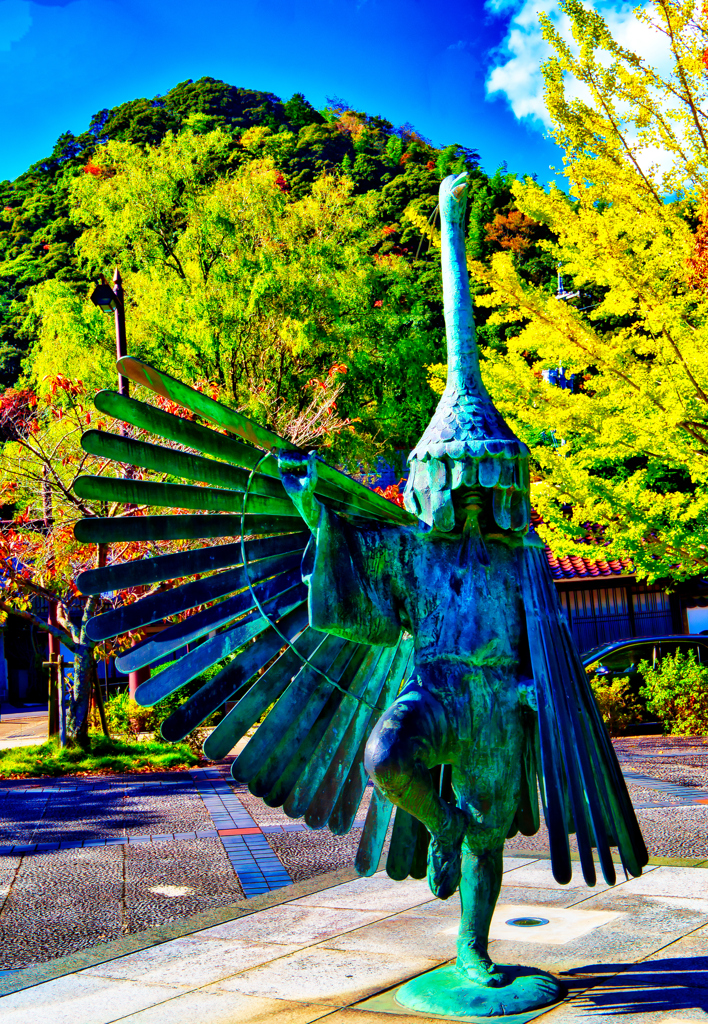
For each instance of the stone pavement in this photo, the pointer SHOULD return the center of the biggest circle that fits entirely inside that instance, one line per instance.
(89, 860)
(336, 950)
(84, 860)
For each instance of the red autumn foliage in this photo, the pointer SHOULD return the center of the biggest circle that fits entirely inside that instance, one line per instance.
(72, 388)
(98, 172)
(17, 411)
(698, 261)
(392, 493)
(513, 231)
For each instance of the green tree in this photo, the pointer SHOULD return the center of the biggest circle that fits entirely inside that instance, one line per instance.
(233, 279)
(300, 113)
(634, 457)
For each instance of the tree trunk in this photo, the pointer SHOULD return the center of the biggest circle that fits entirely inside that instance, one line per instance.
(84, 673)
(78, 717)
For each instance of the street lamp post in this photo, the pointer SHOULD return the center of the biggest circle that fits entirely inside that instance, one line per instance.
(121, 343)
(111, 300)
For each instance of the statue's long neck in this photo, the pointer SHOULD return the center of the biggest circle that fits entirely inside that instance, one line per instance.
(462, 358)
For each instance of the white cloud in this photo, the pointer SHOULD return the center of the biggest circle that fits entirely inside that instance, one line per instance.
(15, 22)
(518, 74)
(519, 77)
(501, 6)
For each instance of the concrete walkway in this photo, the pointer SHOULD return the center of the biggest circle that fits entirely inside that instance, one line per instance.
(22, 727)
(335, 949)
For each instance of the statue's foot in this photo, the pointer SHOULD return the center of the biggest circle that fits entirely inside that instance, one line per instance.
(450, 993)
(445, 855)
(478, 968)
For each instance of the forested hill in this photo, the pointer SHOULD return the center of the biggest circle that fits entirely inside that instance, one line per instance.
(394, 165)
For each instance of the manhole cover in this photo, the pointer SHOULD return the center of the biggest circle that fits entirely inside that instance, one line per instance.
(528, 922)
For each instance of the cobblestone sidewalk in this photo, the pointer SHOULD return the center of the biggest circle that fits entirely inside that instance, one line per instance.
(85, 860)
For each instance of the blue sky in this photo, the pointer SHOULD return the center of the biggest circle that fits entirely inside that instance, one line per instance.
(417, 61)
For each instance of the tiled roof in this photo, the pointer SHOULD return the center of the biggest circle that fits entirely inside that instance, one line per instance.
(575, 567)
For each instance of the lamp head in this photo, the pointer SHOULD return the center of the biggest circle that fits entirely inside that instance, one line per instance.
(104, 297)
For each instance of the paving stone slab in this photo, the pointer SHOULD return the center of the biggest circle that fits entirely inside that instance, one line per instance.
(80, 1000)
(190, 962)
(327, 976)
(293, 923)
(669, 881)
(215, 1006)
(376, 893)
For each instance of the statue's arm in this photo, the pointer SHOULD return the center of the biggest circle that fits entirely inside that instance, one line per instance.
(298, 473)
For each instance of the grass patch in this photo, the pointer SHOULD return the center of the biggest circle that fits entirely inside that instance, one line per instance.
(104, 757)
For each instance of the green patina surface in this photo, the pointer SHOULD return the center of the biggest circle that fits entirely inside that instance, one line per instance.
(422, 648)
(458, 750)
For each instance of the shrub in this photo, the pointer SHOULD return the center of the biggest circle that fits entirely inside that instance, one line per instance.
(616, 703)
(126, 718)
(676, 690)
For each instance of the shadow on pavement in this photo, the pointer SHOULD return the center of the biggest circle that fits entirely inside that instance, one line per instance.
(655, 986)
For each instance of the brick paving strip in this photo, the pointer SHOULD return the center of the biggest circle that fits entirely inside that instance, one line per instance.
(688, 795)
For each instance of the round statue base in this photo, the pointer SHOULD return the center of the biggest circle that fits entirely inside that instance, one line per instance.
(449, 993)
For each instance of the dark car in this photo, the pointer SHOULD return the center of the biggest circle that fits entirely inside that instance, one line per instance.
(622, 657)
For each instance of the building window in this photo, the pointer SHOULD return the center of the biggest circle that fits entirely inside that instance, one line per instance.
(652, 613)
(604, 614)
(597, 616)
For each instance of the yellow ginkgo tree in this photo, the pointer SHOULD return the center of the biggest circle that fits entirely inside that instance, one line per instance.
(630, 451)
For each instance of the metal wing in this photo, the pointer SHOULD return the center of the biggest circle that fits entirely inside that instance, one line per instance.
(324, 693)
(582, 786)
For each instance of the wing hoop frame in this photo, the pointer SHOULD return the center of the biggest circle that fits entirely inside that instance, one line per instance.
(260, 608)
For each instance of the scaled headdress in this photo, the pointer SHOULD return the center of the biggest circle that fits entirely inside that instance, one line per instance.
(467, 443)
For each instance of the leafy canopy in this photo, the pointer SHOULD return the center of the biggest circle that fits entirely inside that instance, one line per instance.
(628, 237)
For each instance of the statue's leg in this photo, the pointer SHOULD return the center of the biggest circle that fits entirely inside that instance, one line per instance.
(410, 739)
(489, 783)
(479, 891)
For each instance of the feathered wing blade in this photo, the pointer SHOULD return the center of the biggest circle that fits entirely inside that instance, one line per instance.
(234, 678)
(403, 843)
(350, 797)
(121, 529)
(332, 485)
(264, 692)
(181, 464)
(275, 595)
(412, 857)
(216, 649)
(316, 696)
(282, 553)
(320, 785)
(580, 774)
(373, 837)
(144, 572)
(163, 495)
(294, 750)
